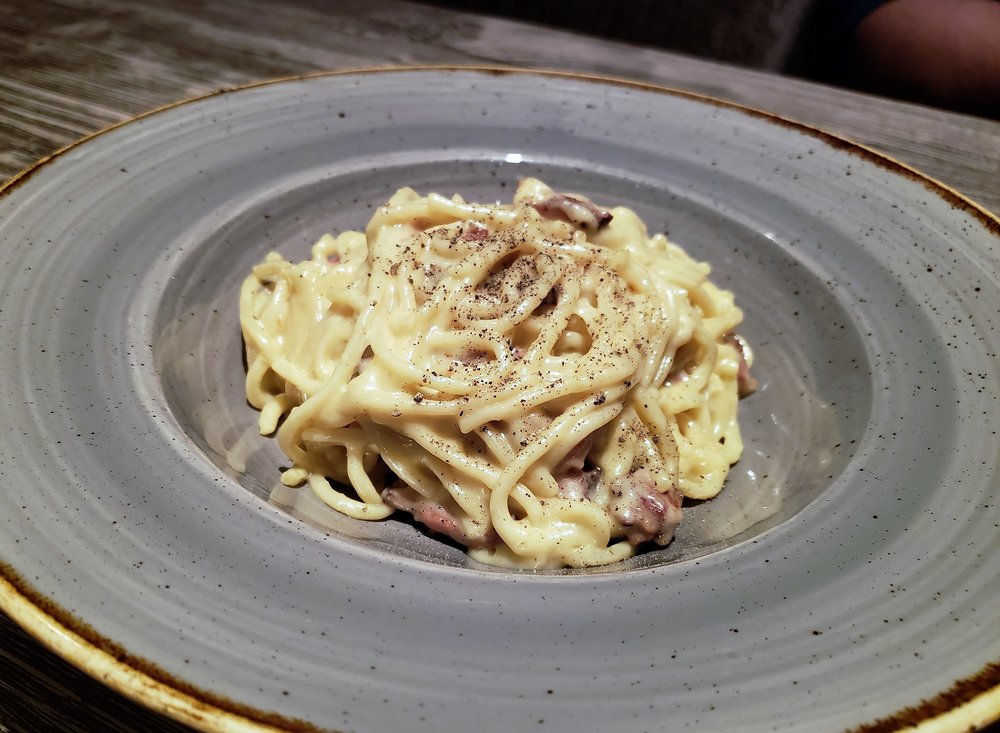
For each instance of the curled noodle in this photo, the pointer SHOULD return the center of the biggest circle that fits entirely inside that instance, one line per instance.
(542, 382)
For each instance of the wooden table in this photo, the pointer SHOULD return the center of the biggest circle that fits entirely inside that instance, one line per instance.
(70, 67)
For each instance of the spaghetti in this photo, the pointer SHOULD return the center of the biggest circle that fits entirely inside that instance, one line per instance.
(542, 382)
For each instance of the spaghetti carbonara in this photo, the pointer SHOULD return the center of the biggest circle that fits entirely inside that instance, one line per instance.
(541, 382)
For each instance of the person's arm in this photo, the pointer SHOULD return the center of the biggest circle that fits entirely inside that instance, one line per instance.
(939, 51)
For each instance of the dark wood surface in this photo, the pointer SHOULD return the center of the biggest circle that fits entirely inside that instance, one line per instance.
(70, 67)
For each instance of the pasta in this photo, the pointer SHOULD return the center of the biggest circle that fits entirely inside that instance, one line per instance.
(541, 382)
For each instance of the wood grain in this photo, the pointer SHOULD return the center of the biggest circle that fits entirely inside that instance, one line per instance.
(71, 67)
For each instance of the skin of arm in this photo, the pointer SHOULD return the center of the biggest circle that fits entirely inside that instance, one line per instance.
(945, 52)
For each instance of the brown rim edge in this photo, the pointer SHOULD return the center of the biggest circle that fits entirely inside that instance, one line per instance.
(970, 704)
(971, 707)
(136, 679)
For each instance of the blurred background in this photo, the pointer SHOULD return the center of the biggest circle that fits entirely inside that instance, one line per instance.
(944, 53)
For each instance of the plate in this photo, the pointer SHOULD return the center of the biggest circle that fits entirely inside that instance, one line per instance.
(846, 576)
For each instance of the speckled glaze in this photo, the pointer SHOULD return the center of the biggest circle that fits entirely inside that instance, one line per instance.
(846, 573)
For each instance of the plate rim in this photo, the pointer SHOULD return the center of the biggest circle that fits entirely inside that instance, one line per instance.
(972, 702)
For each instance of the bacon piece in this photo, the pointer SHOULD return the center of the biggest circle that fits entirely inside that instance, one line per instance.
(745, 383)
(474, 232)
(645, 512)
(437, 518)
(574, 209)
(574, 481)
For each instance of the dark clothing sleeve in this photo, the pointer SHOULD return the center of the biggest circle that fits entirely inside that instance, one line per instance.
(843, 16)
(826, 44)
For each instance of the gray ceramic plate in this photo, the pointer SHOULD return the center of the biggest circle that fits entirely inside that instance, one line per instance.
(847, 573)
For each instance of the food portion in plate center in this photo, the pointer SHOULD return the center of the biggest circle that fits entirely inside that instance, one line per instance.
(542, 382)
